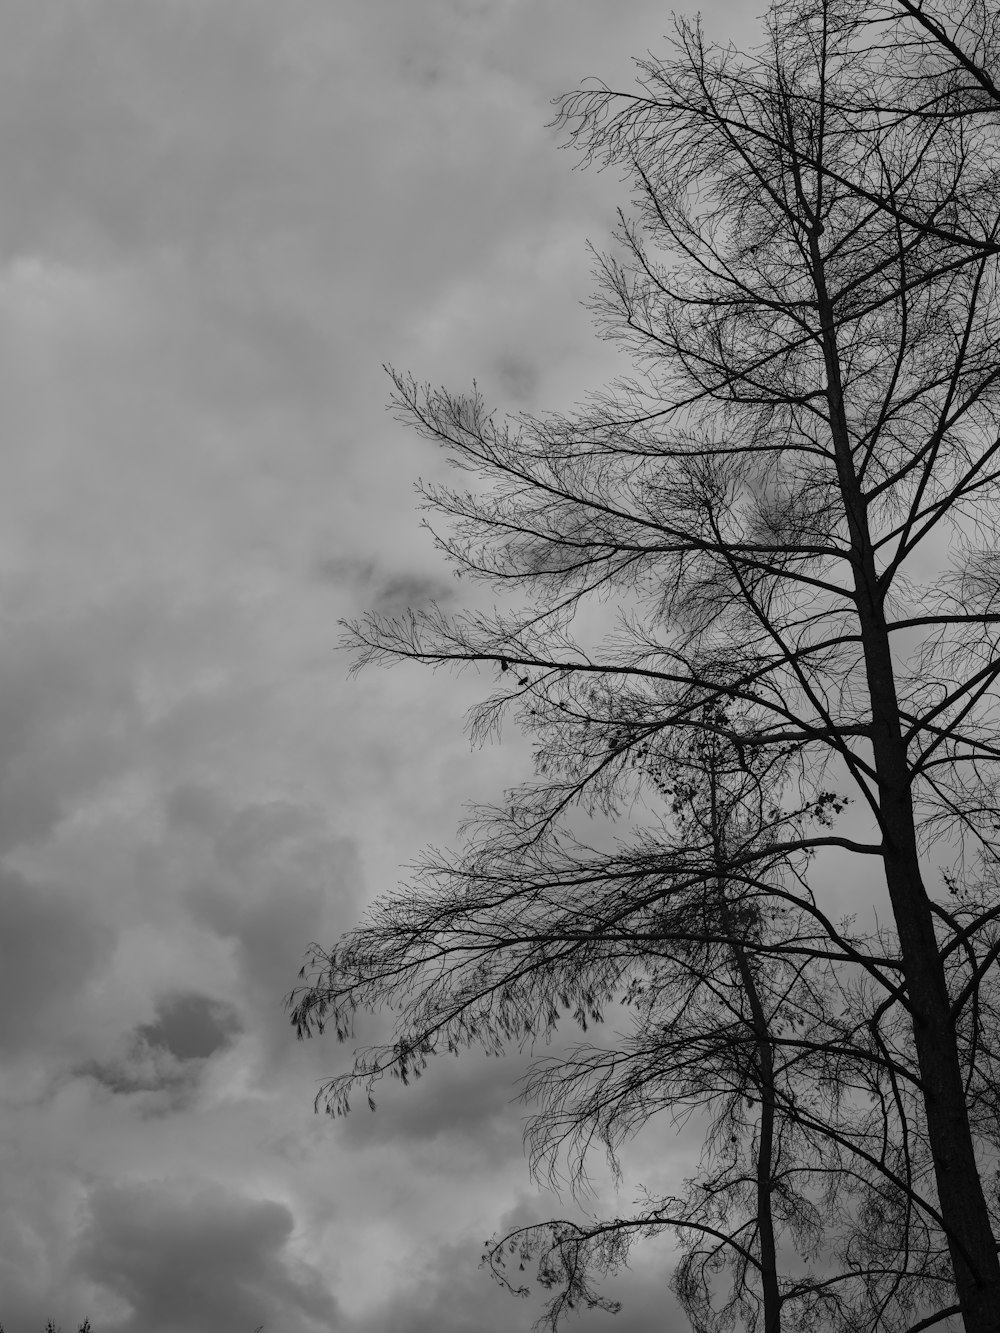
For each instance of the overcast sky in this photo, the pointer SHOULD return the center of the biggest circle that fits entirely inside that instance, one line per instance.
(217, 219)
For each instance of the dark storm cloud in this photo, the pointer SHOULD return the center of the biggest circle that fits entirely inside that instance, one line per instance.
(201, 1260)
(166, 1058)
(50, 945)
(191, 1027)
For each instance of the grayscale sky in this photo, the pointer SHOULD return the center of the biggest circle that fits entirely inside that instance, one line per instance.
(217, 219)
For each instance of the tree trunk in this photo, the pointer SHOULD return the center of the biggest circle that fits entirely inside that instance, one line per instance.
(770, 1290)
(960, 1192)
(765, 1150)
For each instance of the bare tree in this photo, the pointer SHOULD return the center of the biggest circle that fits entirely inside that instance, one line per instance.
(730, 991)
(793, 504)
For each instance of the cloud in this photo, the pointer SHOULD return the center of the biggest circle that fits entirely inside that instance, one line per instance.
(384, 590)
(461, 1116)
(65, 706)
(191, 1027)
(221, 217)
(151, 120)
(266, 877)
(51, 943)
(201, 1259)
(163, 1061)
(451, 1293)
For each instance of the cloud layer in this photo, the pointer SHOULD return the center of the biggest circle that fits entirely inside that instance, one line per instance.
(219, 218)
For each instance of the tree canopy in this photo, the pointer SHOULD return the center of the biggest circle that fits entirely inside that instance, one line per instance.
(787, 518)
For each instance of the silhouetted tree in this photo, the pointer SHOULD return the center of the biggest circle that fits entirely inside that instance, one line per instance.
(793, 504)
(730, 989)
